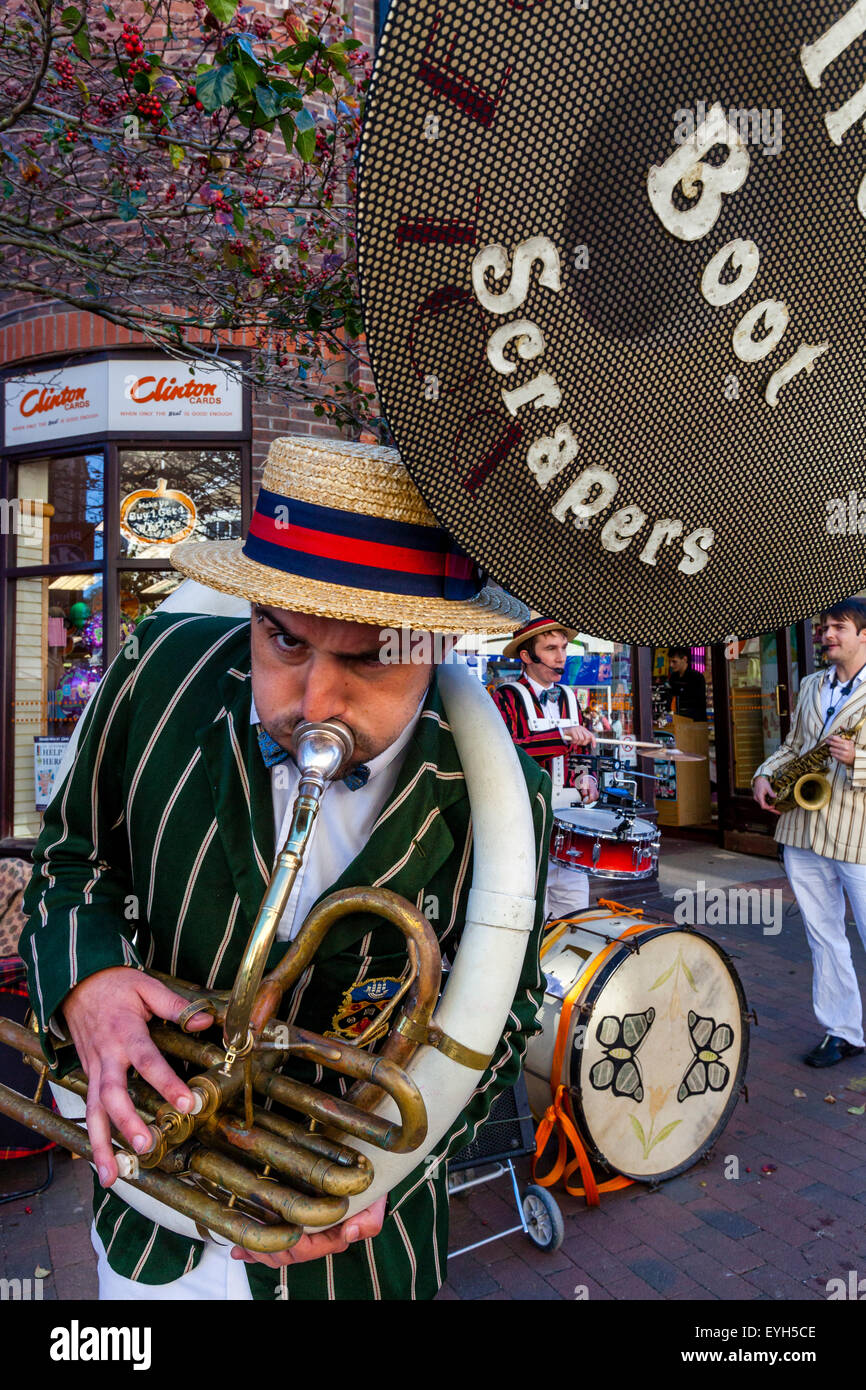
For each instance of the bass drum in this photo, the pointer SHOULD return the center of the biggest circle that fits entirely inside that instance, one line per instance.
(645, 1025)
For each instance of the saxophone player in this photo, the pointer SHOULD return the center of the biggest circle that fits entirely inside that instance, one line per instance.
(825, 849)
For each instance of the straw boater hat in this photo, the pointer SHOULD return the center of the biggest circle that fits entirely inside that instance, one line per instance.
(532, 629)
(341, 531)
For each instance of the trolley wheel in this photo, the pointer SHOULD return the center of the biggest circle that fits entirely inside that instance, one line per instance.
(546, 1228)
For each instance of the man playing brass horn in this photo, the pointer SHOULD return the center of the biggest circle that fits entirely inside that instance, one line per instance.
(825, 847)
(158, 845)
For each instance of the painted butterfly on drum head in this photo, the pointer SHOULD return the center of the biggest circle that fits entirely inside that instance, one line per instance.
(706, 1070)
(621, 1039)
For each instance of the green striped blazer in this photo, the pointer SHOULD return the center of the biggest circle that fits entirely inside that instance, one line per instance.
(156, 851)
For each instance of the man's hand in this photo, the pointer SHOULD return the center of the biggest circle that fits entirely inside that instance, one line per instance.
(579, 736)
(334, 1241)
(764, 794)
(842, 749)
(107, 1016)
(588, 788)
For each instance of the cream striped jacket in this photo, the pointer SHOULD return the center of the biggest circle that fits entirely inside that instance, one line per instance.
(156, 851)
(838, 830)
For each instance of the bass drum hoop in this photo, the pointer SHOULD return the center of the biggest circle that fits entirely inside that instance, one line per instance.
(593, 990)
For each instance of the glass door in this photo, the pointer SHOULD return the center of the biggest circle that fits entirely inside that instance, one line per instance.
(756, 683)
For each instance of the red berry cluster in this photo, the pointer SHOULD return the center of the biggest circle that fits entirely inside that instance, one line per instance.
(131, 40)
(235, 247)
(260, 200)
(68, 139)
(191, 93)
(149, 109)
(220, 203)
(261, 26)
(65, 72)
(138, 65)
(171, 193)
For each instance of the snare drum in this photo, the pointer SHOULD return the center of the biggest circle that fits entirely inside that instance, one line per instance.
(605, 843)
(646, 1026)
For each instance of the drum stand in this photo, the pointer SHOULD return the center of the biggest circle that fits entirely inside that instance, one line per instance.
(508, 1133)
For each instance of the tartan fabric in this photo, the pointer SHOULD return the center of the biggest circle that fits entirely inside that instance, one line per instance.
(156, 852)
(838, 830)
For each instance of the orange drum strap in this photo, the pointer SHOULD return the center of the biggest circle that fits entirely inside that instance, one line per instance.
(556, 1115)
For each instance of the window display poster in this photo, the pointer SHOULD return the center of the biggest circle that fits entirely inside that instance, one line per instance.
(47, 756)
(591, 668)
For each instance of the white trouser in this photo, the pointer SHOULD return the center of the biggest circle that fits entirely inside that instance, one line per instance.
(567, 890)
(819, 886)
(216, 1277)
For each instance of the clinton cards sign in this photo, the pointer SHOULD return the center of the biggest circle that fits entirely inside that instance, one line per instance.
(123, 395)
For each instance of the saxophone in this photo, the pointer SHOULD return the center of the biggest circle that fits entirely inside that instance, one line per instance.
(803, 781)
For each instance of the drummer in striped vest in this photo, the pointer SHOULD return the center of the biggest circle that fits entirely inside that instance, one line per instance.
(544, 719)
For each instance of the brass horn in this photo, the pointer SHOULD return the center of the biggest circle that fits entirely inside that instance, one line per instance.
(233, 1166)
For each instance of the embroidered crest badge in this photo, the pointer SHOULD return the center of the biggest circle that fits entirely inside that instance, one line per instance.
(360, 1006)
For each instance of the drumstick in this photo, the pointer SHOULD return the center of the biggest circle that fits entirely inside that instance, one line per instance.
(660, 751)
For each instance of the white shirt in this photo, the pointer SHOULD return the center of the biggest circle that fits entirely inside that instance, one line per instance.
(829, 696)
(342, 827)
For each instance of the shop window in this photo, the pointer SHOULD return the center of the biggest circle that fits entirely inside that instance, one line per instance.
(59, 511)
(171, 495)
(58, 636)
(141, 592)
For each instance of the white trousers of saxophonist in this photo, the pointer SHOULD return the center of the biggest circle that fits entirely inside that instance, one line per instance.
(820, 885)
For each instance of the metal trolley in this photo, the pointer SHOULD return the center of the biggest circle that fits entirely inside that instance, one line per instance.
(508, 1133)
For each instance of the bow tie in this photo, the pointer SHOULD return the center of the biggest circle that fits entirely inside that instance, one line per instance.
(273, 753)
(550, 696)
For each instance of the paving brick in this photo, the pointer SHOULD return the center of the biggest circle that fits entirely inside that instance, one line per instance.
(469, 1279)
(729, 1223)
(710, 1275)
(779, 1285)
(727, 1253)
(634, 1287)
(76, 1282)
(519, 1281)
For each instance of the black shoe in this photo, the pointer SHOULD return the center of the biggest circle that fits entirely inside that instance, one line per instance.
(830, 1051)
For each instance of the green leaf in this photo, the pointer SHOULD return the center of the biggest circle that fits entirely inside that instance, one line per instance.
(314, 317)
(92, 288)
(287, 126)
(222, 10)
(305, 137)
(81, 43)
(338, 61)
(638, 1129)
(666, 976)
(178, 155)
(688, 974)
(70, 17)
(8, 189)
(216, 87)
(268, 102)
(127, 210)
(856, 1109)
(663, 1133)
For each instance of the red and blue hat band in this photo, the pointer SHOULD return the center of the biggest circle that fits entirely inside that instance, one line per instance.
(358, 552)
